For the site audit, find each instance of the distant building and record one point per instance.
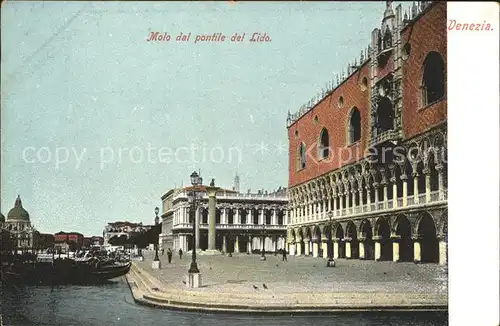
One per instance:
(23, 234)
(240, 220)
(123, 228)
(70, 237)
(89, 242)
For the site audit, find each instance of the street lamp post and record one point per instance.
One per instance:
(194, 277)
(330, 262)
(263, 251)
(156, 260)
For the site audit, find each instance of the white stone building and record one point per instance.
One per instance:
(242, 220)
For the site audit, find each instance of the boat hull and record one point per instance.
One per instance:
(66, 272)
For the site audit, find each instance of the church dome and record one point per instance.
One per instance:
(18, 213)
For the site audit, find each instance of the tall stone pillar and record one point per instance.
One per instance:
(315, 248)
(324, 246)
(237, 216)
(395, 248)
(394, 193)
(348, 251)
(237, 244)
(368, 198)
(386, 199)
(415, 187)
(405, 190)
(249, 244)
(375, 188)
(307, 247)
(211, 217)
(197, 226)
(439, 168)
(362, 249)
(336, 249)
(427, 173)
(334, 199)
(417, 251)
(378, 251)
(298, 249)
(443, 252)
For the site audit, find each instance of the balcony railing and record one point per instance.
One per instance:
(385, 136)
(228, 195)
(219, 226)
(434, 198)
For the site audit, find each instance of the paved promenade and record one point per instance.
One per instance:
(301, 284)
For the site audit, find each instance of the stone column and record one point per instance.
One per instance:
(378, 251)
(427, 173)
(348, 251)
(291, 249)
(395, 247)
(334, 199)
(237, 245)
(368, 198)
(375, 188)
(405, 190)
(353, 196)
(417, 251)
(197, 226)
(362, 248)
(443, 252)
(224, 245)
(237, 216)
(324, 246)
(336, 248)
(394, 193)
(211, 217)
(261, 216)
(250, 216)
(386, 199)
(315, 248)
(329, 202)
(298, 246)
(439, 168)
(275, 239)
(273, 217)
(249, 245)
(360, 191)
(415, 187)
(307, 247)
(223, 218)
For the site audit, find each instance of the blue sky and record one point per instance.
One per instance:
(81, 81)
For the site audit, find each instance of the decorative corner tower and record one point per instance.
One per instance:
(386, 77)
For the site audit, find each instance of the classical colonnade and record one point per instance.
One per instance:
(417, 178)
(418, 236)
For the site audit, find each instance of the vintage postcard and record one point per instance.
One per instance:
(243, 163)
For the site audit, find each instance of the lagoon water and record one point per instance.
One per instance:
(112, 304)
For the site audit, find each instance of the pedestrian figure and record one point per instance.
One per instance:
(169, 255)
(162, 251)
(284, 255)
(180, 253)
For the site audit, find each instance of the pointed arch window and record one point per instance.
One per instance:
(354, 126)
(385, 115)
(301, 159)
(433, 79)
(324, 144)
(387, 38)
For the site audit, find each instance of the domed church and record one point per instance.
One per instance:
(18, 224)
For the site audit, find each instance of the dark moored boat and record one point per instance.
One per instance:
(63, 271)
